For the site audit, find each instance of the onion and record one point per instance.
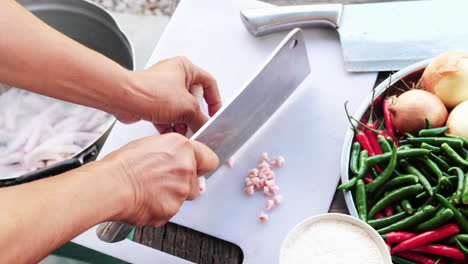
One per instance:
(458, 120)
(412, 107)
(447, 77)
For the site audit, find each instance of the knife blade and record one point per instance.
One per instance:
(376, 36)
(261, 96)
(240, 118)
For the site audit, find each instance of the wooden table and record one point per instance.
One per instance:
(201, 248)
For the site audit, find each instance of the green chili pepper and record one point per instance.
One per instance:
(361, 173)
(434, 149)
(446, 184)
(397, 172)
(399, 209)
(400, 260)
(385, 175)
(406, 179)
(422, 179)
(442, 217)
(428, 123)
(432, 165)
(428, 174)
(432, 132)
(404, 142)
(460, 237)
(407, 206)
(442, 163)
(384, 145)
(465, 190)
(454, 142)
(362, 158)
(464, 211)
(405, 153)
(353, 163)
(462, 247)
(381, 222)
(464, 153)
(454, 155)
(465, 140)
(374, 172)
(393, 197)
(361, 199)
(436, 189)
(461, 178)
(458, 217)
(406, 146)
(408, 135)
(424, 194)
(410, 221)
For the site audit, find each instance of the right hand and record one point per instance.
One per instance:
(159, 173)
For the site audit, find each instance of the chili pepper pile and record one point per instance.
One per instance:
(413, 189)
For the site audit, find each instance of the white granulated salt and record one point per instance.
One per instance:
(331, 242)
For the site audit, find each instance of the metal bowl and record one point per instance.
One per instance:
(402, 78)
(92, 26)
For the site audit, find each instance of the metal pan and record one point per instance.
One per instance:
(93, 27)
(409, 74)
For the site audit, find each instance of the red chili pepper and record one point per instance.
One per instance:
(426, 237)
(373, 138)
(378, 100)
(360, 136)
(363, 139)
(368, 179)
(440, 250)
(388, 117)
(389, 210)
(419, 258)
(397, 237)
(379, 215)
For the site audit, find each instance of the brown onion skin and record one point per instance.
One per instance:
(411, 109)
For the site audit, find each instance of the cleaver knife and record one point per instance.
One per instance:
(240, 118)
(375, 36)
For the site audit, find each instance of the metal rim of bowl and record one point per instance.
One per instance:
(118, 29)
(394, 78)
(348, 219)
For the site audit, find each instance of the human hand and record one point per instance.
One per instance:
(164, 95)
(158, 174)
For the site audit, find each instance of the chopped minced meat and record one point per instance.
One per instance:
(202, 183)
(263, 217)
(230, 162)
(263, 178)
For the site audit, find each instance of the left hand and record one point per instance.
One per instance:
(163, 95)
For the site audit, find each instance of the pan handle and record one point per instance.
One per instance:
(54, 169)
(263, 21)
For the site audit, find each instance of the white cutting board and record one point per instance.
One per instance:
(308, 130)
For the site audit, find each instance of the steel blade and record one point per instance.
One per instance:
(390, 36)
(240, 118)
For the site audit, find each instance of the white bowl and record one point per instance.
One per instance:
(299, 228)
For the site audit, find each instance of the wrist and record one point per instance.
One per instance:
(132, 100)
(113, 191)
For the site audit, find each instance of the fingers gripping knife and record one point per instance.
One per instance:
(240, 118)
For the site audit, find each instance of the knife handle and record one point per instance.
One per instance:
(113, 231)
(263, 21)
